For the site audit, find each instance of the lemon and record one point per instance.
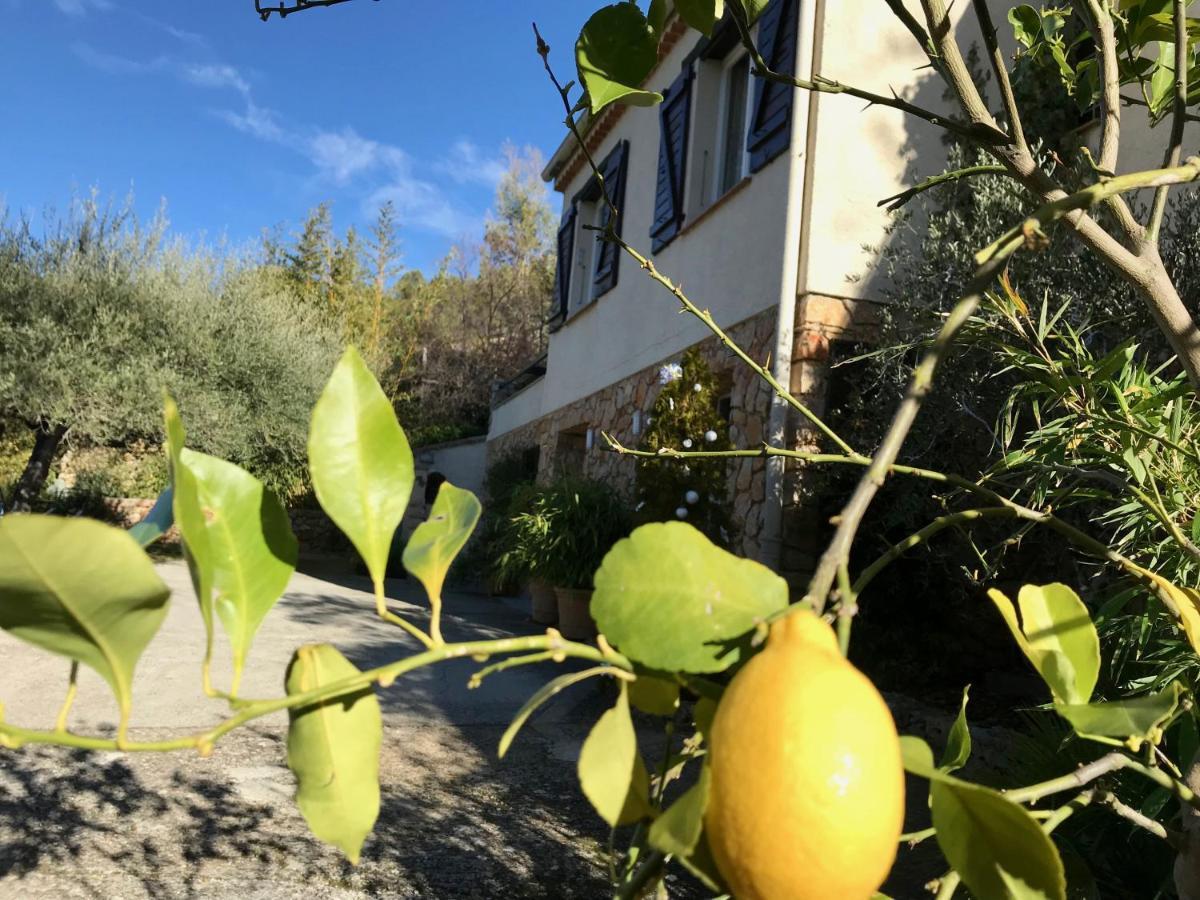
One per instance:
(807, 790)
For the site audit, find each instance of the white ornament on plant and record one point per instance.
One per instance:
(681, 513)
(692, 497)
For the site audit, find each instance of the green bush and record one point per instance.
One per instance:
(561, 533)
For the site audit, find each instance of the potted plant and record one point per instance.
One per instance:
(580, 520)
(522, 542)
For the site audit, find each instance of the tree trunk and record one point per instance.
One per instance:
(45, 448)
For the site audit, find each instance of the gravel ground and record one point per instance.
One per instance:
(456, 821)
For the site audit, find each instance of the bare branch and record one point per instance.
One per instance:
(954, 66)
(1178, 119)
(283, 10)
(896, 201)
(1001, 72)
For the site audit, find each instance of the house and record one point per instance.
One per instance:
(759, 200)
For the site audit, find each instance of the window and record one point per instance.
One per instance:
(735, 115)
(583, 275)
(718, 124)
(587, 267)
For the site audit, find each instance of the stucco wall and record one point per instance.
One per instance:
(462, 463)
(731, 262)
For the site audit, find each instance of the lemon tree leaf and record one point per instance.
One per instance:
(333, 750)
(1056, 634)
(672, 600)
(611, 771)
(702, 15)
(656, 17)
(83, 590)
(677, 831)
(917, 757)
(543, 695)
(1184, 603)
(155, 523)
(753, 8)
(436, 542)
(655, 696)
(1140, 718)
(615, 52)
(997, 848)
(360, 461)
(958, 742)
(189, 517)
(250, 550)
(701, 864)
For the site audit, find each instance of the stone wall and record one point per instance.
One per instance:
(560, 434)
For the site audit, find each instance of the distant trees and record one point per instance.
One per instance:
(98, 316)
(437, 345)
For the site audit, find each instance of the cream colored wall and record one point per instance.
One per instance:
(862, 155)
(522, 407)
(731, 263)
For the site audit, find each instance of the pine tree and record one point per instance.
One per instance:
(686, 417)
(384, 261)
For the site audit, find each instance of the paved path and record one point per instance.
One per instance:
(456, 822)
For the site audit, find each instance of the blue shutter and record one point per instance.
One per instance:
(609, 254)
(566, 257)
(771, 124)
(672, 161)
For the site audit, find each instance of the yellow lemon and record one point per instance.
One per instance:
(807, 791)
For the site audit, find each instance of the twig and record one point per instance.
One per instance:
(1011, 112)
(1178, 119)
(896, 201)
(69, 700)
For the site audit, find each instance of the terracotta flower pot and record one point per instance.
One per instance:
(574, 614)
(544, 602)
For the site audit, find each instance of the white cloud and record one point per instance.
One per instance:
(466, 164)
(344, 154)
(375, 171)
(215, 76)
(82, 7)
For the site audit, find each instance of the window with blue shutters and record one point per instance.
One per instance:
(674, 118)
(587, 265)
(771, 121)
(608, 254)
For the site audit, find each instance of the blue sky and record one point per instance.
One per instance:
(241, 125)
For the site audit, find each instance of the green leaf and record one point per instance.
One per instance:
(189, 517)
(436, 542)
(1139, 718)
(677, 831)
(674, 601)
(611, 771)
(997, 848)
(655, 696)
(83, 590)
(1056, 634)
(753, 8)
(917, 757)
(958, 742)
(616, 51)
(249, 551)
(543, 694)
(360, 461)
(703, 714)
(656, 18)
(1026, 23)
(702, 15)
(155, 523)
(333, 749)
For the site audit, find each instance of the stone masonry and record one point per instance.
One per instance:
(559, 434)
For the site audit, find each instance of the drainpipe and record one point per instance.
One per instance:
(804, 107)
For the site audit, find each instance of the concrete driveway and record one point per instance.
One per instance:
(456, 822)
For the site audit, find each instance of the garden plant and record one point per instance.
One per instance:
(785, 777)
